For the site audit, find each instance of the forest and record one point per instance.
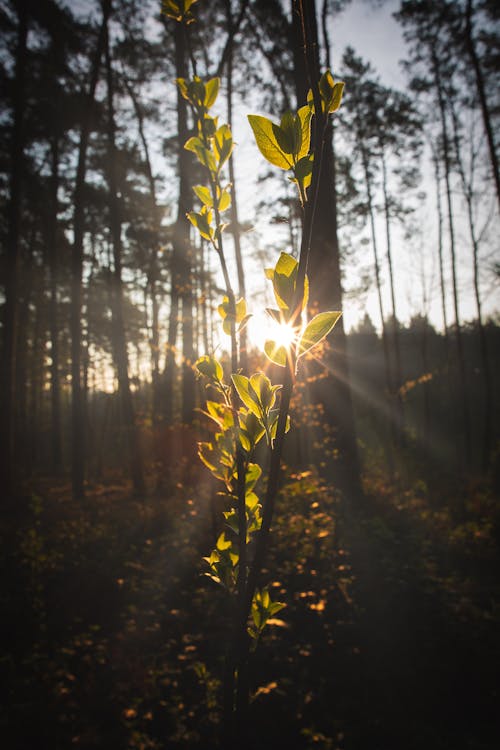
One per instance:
(249, 333)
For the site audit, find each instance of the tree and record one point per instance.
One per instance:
(324, 271)
(119, 338)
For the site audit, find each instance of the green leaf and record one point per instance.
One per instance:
(267, 143)
(203, 154)
(275, 353)
(304, 169)
(210, 367)
(223, 543)
(249, 398)
(224, 200)
(220, 413)
(211, 91)
(223, 144)
(289, 134)
(331, 92)
(241, 310)
(252, 476)
(305, 115)
(264, 391)
(204, 195)
(338, 91)
(285, 275)
(201, 221)
(316, 330)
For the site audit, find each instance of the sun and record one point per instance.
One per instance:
(264, 328)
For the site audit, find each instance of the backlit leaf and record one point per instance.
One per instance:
(316, 330)
(267, 143)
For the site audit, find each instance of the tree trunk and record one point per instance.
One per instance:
(119, 337)
(333, 391)
(469, 38)
(378, 283)
(483, 347)
(12, 260)
(55, 390)
(182, 241)
(439, 208)
(153, 263)
(398, 381)
(78, 418)
(458, 332)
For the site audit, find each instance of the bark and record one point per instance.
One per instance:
(77, 409)
(485, 112)
(12, 260)
(119, 337)
(334, 392)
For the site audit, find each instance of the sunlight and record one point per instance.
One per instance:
(264, 328)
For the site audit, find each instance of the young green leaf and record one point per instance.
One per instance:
(275, 353)
(211, 91)
(305, 114)
(204, 195)
(210, 367)
(249, 397)
(316, 330)
(266, 140)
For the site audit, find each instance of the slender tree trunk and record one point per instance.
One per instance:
(397, 351)
(55, 389)
(78, 418)
(478, 73)
(439, 208)
(378, 283)
(334, 391)
(12, 261)
(182, 231)
(458, 332)
(153, 264)
(119, 337)
(483, 346)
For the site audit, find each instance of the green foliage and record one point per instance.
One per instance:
(316, 330)
(284, 279)
(178, 10)
(247, 407)
(263, 609)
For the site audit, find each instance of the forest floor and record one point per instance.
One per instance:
(113, 639)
